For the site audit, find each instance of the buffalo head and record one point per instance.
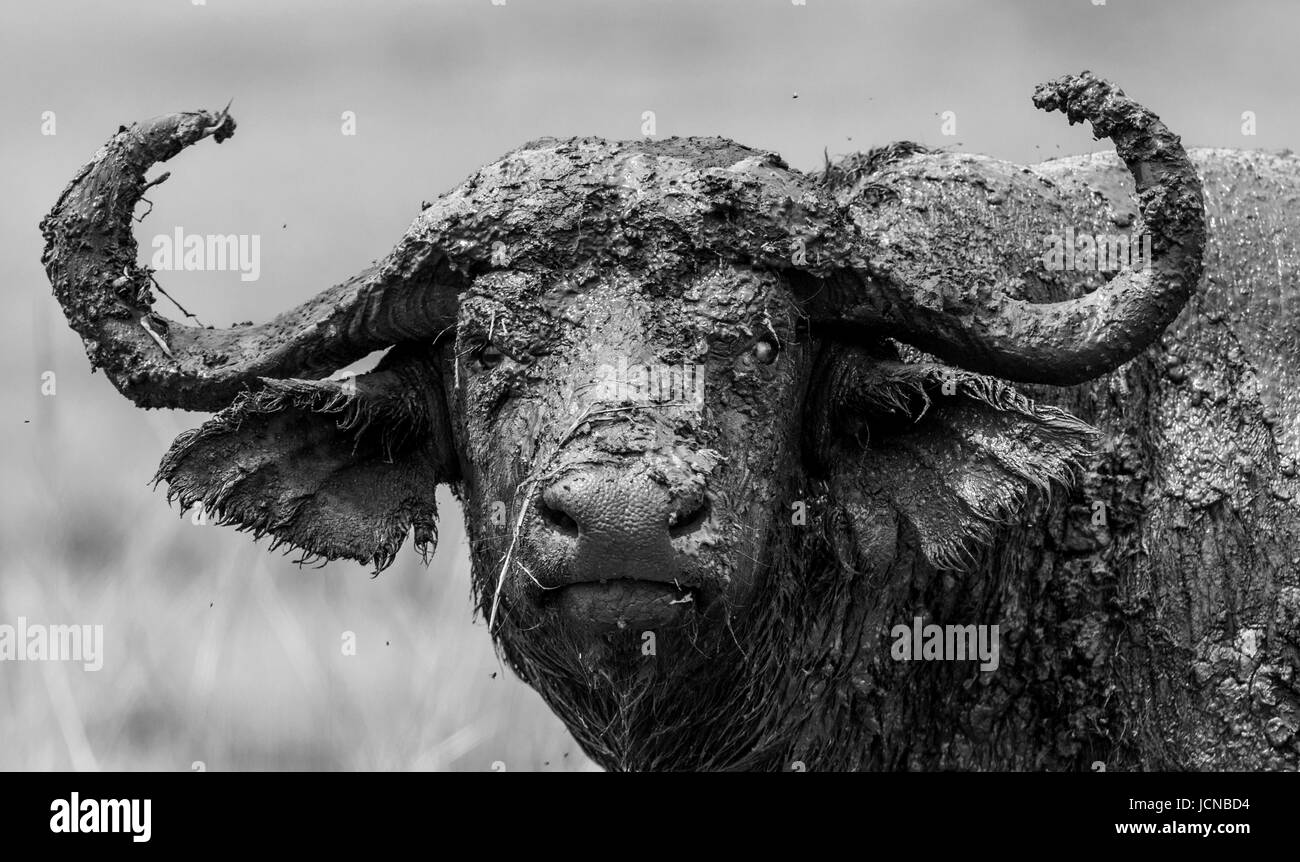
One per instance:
(691, 399)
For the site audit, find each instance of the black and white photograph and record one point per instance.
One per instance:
(823, 386)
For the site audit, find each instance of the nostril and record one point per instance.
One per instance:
(687, 520)
(557, 518)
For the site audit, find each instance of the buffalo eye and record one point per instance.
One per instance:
(488, 356)
(765, 352)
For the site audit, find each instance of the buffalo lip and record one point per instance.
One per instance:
(611, 604)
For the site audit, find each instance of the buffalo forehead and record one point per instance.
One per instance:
(727, 302)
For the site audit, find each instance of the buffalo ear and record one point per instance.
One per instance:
(947, 451)
(336, 468)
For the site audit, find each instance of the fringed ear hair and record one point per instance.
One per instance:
(951, 452)
(335, 468)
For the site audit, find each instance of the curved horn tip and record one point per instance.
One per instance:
(1087, 97)
(190, 127)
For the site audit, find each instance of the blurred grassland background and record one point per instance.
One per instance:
(216, 651)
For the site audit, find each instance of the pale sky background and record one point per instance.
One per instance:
(438, 89)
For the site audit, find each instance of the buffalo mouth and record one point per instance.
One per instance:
(619, 604)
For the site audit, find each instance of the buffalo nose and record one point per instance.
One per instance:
(618, 525)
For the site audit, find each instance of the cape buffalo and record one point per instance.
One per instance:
(736, 442)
